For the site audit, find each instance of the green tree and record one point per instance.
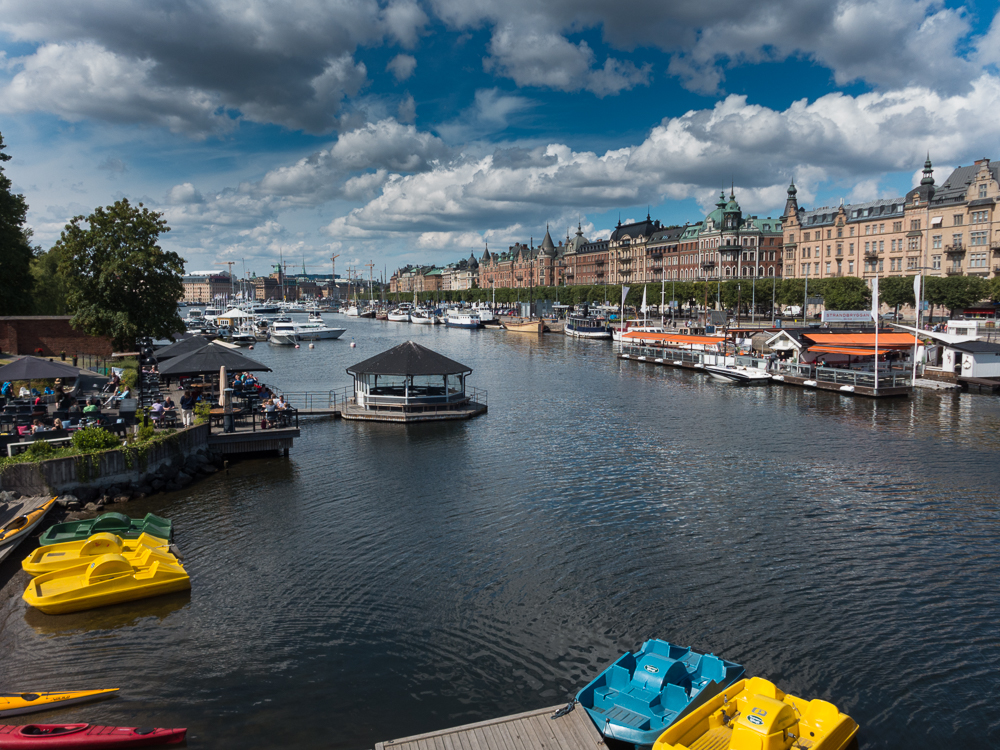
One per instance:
(846, 293)
(49, 284)
(895, 291)
(995, 289)
(16, 280)
(957, 292)
(120, 282)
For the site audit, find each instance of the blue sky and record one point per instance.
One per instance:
(406, 131)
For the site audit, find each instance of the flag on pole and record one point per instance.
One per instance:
(916, 289)
(625, 291)
(643, 308)
(875, 307)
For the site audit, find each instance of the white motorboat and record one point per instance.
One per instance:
(422, 318)
(737, 374)
(283, 334)
(463, 319)
(312, 331)
(353, 311)
(398, 316)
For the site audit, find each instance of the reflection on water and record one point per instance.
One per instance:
(388, 580)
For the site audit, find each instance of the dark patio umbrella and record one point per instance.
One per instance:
(34, 368)
(209, 359)
(180, 348)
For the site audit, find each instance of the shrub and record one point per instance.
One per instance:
(145, 432)
(94, 438)
(202, 411)
(41, 449)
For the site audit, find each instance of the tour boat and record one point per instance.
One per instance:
(114, 523)
(108, 579)
(587, 327)
(18, 704)
(462, 319)
(67, 554)
(85, 736)
(737, 374)
(317, 331)
(636, 326)
(754, 713)
(19, 520)
(643, 693)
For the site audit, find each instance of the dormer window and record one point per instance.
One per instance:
(982, 190)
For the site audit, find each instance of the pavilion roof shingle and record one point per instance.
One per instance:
(408, 358)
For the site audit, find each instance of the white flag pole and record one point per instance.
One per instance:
(875, 307)
(644, 308)
(916, 295)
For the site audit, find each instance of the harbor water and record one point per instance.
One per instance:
(386, 580)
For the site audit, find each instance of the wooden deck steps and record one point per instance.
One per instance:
(532, 730)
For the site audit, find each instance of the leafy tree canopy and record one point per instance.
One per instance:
(896, 290)
(15, 248)
(120, 282)
(846, 293)
(956, 292)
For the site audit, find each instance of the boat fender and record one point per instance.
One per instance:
(564, 710)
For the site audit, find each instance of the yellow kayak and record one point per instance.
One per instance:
(15, 704)
(16, 529)
(755, 715)
(108, 579)
(67, 554)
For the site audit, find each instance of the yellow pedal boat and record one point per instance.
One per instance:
(755, 715)
(16, 704)
(67, 554)
(108, 579)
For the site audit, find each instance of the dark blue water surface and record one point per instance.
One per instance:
(386, 580)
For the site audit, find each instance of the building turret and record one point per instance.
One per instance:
(791, 203)
(548, 248)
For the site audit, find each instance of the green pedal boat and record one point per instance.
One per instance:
(114, 523)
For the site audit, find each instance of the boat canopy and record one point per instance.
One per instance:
(673, 338)
(854, 352)
(888, 340)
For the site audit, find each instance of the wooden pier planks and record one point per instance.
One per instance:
(532, 730)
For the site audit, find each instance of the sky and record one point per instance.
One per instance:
(414, 131)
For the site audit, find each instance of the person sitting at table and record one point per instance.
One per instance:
(73, 412)
(37, 427)
(93, 407)
(57, 424)
(168, 403)
(156, 412)
(280, 404)
(38, 401)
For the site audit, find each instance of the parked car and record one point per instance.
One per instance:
(891, 316)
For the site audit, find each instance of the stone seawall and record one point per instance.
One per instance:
(170, 464)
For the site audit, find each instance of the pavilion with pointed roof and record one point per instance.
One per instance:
(411, 383)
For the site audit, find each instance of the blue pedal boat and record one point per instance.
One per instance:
(641, 694)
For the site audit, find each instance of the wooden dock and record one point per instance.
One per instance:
(244, 440)
(532, 730)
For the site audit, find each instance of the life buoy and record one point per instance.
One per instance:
(967, 365)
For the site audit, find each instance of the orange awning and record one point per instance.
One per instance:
(888, 340)
(672, 338)
(847, 350)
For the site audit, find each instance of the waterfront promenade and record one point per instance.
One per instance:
(385, 582)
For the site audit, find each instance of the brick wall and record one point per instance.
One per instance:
(52, 334)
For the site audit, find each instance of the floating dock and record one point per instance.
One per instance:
(532, 730)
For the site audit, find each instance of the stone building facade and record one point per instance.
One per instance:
(939, 231)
